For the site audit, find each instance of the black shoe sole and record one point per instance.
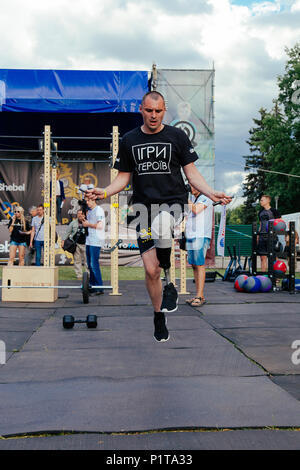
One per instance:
(164, 310)
(163, 340)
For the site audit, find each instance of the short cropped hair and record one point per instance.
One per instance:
(267, 196)
(155, 95)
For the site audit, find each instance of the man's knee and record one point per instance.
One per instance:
(152, 271)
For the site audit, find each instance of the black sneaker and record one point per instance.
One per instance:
(170, 299)
(161, 333)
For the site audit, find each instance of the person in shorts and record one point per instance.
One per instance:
(198, 232)
(154, 156)
(265, 214)
(19, 229)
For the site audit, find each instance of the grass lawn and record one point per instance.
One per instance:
(125, 273)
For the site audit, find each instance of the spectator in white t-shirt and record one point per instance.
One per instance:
(198, 232)
(37, 234)
(94, 241)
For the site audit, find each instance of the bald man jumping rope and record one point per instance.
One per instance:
(154, 155)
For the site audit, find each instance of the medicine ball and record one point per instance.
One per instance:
(279, 268)
(265, 283)
(279, 226)
(239, 282)
(252, 284)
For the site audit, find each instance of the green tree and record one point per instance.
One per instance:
(235, 216)
(289, 85)
(275, 145)
(279, 146)
(285, 156)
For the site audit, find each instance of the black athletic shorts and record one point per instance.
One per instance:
(262, 246)
(144, 231)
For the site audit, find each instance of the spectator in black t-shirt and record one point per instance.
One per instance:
(154, 155)
(77, 232)
(265, 214)
(19, 229)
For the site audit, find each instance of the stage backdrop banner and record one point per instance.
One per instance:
(72, 91)
(189, 101)
(21, 184)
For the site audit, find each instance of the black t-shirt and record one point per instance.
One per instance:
(155, 160)
(15, 235)
(265, 215)
(81, 234)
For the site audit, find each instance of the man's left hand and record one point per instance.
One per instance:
(220, 196)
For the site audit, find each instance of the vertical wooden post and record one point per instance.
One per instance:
(172, 268)
(114, 218)
(53, 217)
(47, 152)
(183, 266)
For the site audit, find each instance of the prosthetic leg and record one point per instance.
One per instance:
(164, 256)
(162, 233)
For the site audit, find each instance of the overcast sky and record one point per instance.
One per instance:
(244, 39)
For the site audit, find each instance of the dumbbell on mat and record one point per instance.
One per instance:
(69, 321)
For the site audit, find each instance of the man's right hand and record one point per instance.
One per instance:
(95, 193)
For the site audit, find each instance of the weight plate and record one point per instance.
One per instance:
(91, 321)
(68, 321)
(85, 288)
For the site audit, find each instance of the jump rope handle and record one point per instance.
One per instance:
(219, 202)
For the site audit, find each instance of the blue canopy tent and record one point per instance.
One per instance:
(73, 102)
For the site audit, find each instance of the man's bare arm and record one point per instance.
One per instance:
(119, 183)
(196, 179)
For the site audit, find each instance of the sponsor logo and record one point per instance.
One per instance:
(145, 235)
(4, 247)
(187, 127)
(12, 187)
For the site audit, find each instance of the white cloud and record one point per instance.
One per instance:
(263, 8)
(296, 6)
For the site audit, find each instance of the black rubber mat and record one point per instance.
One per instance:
(145, 404)
(25, 312)
(192, 329)
(256, 308)
(290, 383)
(191, 440)
(122, 310)
(14, 340)
(261, 336)
(275, 359)
(118, 378)
(121, 363)
(290, 320)
(19, 324)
